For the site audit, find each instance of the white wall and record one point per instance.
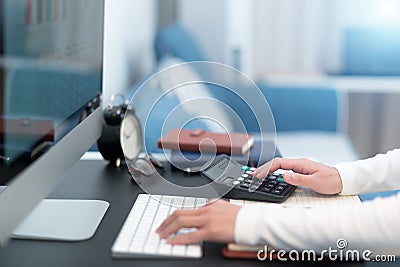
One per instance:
(205, 20)
(287, 36)
(281, 36)
(128, 49)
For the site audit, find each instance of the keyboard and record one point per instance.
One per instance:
(137, 237)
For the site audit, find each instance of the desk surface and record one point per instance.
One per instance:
(97, 180)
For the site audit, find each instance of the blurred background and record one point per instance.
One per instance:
(352, 46)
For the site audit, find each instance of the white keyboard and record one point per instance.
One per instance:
(137, 237)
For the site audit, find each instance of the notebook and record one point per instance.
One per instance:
(207, 142)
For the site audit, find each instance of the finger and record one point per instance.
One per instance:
(267, 168)
(175, 215)
(181, 222)
(302, 166)
(299, 179)
(192, 237)
(262, 169)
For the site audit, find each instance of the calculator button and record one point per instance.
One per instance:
(245, 185)
(236, 182)
(252, 169)
(245, 175)
(276, 192)
(270, 186)
(271, 177)
(249, 172)
(266, 189)
(283, 184)
(248, 181)
(280, 179)
(245, 168)
(279, 187)
(257, 182)
(273, 182)
(240, 179)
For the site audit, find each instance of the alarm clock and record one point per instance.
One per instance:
(122, 133)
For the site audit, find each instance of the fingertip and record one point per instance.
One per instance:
(172, 241)
(288, 176)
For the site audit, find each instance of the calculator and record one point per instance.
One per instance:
(238, 182)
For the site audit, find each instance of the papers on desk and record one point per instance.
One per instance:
(307, 198)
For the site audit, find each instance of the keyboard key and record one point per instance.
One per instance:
(193, 250)
(164, 248)
(179, 250)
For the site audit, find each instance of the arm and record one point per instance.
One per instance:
(372, 225)
(379, 173)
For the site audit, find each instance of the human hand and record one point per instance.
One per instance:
(317, 176)
(214, 222)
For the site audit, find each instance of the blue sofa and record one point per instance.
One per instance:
(293, 108)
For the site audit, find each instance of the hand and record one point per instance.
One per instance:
(214, 222)
(317, 176)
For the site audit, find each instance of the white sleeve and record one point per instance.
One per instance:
(379, 173)
(372, 225)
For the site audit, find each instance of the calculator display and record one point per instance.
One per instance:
(218, 169)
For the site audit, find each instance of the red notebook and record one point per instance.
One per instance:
(207, 142)
(237, 251)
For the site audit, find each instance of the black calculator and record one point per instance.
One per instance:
(238, 183)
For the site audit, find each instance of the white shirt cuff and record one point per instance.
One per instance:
(348, 174)
(247, 225)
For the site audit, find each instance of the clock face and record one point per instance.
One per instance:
(131, 136)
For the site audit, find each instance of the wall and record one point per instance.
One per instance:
(373, 122)
(205, 20)
(222, 28)
(128, 48)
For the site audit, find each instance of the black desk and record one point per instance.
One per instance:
(96, 180)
